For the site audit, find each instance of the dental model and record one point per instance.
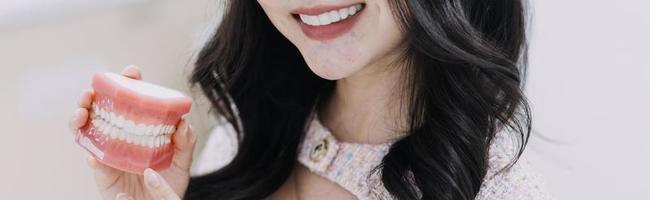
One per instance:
(131, 123)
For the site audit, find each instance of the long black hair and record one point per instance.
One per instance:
(465, 67)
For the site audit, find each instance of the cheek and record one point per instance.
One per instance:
(390, 36)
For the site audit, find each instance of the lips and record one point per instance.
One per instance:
(131, 123)
(328, 22)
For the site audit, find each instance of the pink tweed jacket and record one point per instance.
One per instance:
(349, 164)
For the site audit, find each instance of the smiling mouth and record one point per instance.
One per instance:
(328, 22)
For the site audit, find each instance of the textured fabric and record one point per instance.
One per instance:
(350, 164)
(340, 158)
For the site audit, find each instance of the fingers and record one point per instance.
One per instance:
(105, 176)
(157, 187)
(86, 98)
(132, 71)
(184, 141)
(80, 116)
(78, 119)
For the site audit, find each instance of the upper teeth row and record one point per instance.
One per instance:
(129, 125)
(331, 16)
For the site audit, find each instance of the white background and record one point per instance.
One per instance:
(590, 89)
(589, 85)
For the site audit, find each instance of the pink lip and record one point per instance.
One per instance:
(326, 32)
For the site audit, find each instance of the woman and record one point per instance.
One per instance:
(354, 99)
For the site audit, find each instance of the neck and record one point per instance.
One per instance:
(367, 107)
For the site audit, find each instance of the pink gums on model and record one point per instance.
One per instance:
(131, 123)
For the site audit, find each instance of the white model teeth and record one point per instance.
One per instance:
(330, 17)
(118, 127)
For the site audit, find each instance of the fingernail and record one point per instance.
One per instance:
(152, 178)
(122, 196)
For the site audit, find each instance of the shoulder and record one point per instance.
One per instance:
(520, 181)
(218, 150)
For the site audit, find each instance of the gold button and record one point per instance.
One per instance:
(319, 151)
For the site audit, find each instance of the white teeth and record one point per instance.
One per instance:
(150, 143)
(100, 112)
(105, 115)
(334, 16)
(120, 121)
(96, 123)
(132, 138)
(159, 140)
(324, 19)
(352, 10)
(158, 130)
(130, 126)
(344, 13)
(146, 130)
(95, 115)
(108, 130)
(154, 142)
(129, 138)
(150, 130)
(101, 127)
(119, 127)
(140, 128)
(311, 20)
(109, 117)
(330, 16)
(120, 134)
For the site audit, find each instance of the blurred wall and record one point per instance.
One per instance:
(589, 86)
(48, 59)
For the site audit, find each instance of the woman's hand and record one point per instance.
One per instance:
(170, 183)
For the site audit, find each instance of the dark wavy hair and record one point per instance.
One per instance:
(465, 67)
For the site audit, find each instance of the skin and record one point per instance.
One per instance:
(363, 109)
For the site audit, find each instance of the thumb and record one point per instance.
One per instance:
(184, 141)
(157, 187)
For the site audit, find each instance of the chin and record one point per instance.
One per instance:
(329, 70)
